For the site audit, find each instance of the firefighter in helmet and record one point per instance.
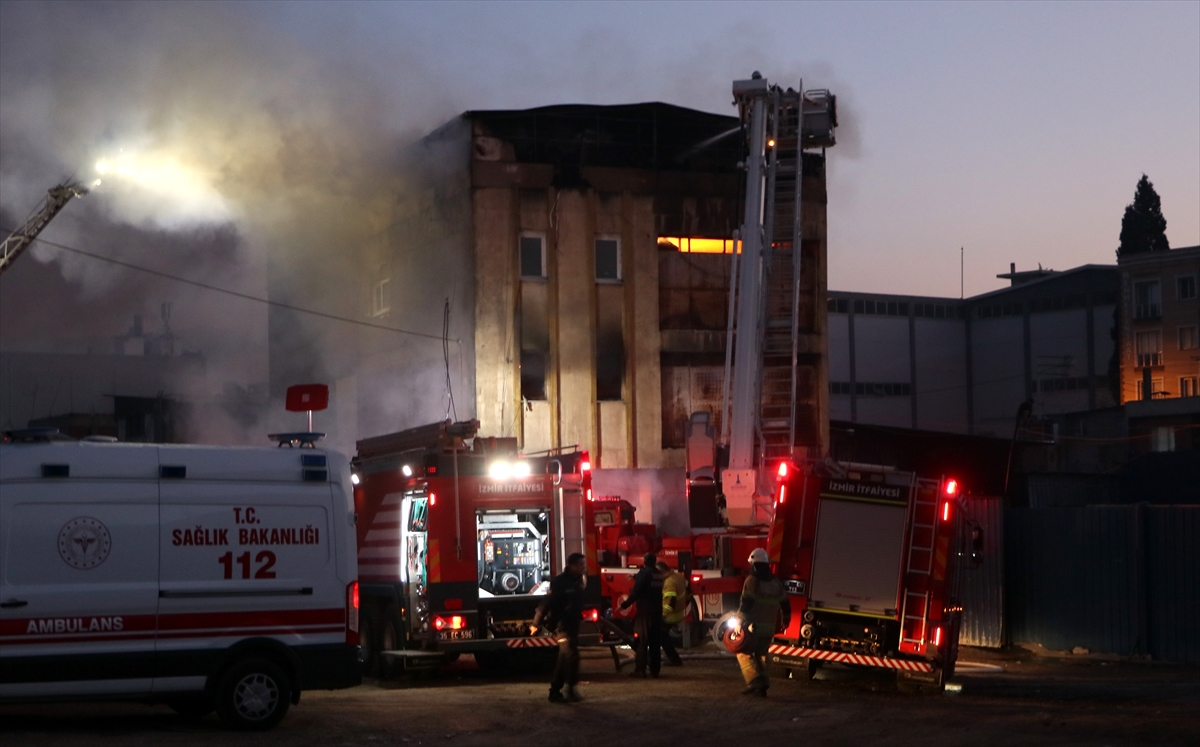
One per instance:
(763, 600)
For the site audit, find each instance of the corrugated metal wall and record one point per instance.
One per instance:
(1112, 579)
(1173, 588)
(981, 584)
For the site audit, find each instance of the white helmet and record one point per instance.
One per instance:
(758, 555)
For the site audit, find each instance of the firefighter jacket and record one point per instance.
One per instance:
(647, 593)
(675, 597)
(762, 599)
(564, 608)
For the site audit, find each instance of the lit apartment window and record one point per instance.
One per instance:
(1185, 287)
(1187, 386)
(533, 256)
(1187, 338)
(379, 297)
(1147, 301)
(1149, 348)
(608, 259)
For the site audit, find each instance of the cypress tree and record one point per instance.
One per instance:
(1143, 228)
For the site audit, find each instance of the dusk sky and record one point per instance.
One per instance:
(1015, 130)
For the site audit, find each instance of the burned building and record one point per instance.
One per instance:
(581, 256)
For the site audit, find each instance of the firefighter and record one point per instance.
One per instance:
(562, 614)
(675, 607)
(647, 593)
(762, 600)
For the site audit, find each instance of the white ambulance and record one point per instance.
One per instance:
(202, 577)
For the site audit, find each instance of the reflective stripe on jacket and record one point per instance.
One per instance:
(675, 597)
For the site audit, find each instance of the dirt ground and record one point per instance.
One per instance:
(1005, 699)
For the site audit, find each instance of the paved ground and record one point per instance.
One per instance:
(1010, 700)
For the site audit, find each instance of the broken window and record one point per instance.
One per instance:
(535, 340)
(610, 342)
(608, 259)
(533, 256)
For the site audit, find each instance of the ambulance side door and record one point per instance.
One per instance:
(79, 581)
(243, 560)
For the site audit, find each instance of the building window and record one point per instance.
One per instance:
(1187, 386)
(533, 256)
(1162, 438)
(881, 389)
(379, 297)
(1157, 389)
(1187, 338)
(1149, 348)
(608, 259)
(1185, 287)
(1147, 301)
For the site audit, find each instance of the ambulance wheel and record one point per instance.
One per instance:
(253, 695)
(197, 707)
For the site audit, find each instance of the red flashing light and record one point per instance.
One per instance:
(946, 511)
(696, 577)
(590, 498)
(585, 466)
(783, 469)
(782, 493)
(937, 636)
(433, 499)
(951, 488)
(592, 615)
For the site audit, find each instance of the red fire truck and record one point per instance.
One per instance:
(869, 557)
(458, 538)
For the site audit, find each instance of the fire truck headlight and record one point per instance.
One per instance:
(500, 470)
(406, 470)
(521, 470)
(354, 478)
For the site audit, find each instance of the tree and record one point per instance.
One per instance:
(1143, 229)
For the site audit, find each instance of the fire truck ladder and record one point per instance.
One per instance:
(781, 281)
(914, 614)
(19, 240)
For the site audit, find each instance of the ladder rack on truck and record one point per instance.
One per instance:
(869, 558)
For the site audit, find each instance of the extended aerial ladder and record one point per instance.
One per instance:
(19, 240)
(775, 347)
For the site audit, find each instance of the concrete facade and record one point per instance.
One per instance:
(966, 365)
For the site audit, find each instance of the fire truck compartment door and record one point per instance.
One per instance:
(856, 563)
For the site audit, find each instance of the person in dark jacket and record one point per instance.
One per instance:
(647, 622)
(562, 613)
(763, 603)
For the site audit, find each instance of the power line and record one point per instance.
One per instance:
(238, 294)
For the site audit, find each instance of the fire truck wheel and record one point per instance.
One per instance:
(197, 707)
(368, 643)
(389, 640)
(253, 695)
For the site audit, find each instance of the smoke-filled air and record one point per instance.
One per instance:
(213, 149)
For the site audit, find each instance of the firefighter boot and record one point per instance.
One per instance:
(556, 696)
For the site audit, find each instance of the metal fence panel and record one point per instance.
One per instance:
(1111, 579)
(1073, 578)
(1173, 582)
(981, 584)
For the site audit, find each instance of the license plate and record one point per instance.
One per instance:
(794, 586)
(457, 635)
